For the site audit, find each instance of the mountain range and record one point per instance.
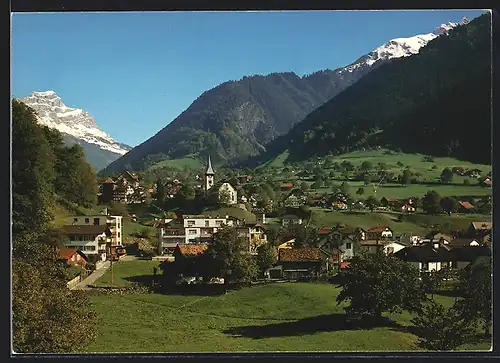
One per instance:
(77, 127)
(436, 102)
(238, 119)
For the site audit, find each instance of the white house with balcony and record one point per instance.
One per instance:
(200, 228)
(94, 234)
(255, 234)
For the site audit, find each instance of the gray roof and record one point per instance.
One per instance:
(210, 170)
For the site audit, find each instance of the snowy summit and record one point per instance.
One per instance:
(52, 112)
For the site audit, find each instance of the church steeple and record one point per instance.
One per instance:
(209, 175)
(210, 171)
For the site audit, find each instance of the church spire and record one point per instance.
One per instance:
(210, 171)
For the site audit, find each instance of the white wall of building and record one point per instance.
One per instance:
(114, 222)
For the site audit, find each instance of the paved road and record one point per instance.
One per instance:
(92, 277)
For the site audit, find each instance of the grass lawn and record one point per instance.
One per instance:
(127, 272)
(365, 220)
(130, 227)
(278, 317)
(190, 162)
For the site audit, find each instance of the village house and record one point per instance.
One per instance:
(290, 219)
(337, 244)
(95, 234)
(407, 208)
(380, 232)
(124, 189)
(228, 189)
(436, 256)
(390, 202)
(465, 207)
(474, 173)
(186, 257)
(487, 182)
(72, 256)
(169, 233)
(255, 234)
(294, 263)
(339, 205)
(296, 198)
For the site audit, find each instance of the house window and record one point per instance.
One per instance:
(75, 220)
(348, 245)
(190, 223)
(118, 224)
(87, 220)
(118, 234)
(218, 223)
(96, 221)
(192, 231)
(207, 223)
(425, 266)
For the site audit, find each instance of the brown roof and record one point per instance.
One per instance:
(379, 229)
(462, 242)
(83, 230)
(324, 230)
(286, 185)
(133, 176)
(66, 253)
(192, 249)
(373, 242)
(299, 254)
(466, 205)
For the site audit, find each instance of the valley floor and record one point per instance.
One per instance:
(281, 317)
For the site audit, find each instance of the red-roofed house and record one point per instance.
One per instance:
(286, 186)
(465, 207)
(72, 256)
(379, 232)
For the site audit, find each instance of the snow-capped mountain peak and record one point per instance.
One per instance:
(403, 47)
(52, 112)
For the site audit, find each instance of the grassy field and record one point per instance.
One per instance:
(412, 190)
(188, 161)
(268, 318)
(127, 272)
(130, 227)
(412, 223)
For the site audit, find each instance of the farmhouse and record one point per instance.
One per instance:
(186, 257)
(255, 234)
(72, 256)
(408, 208)
(465, 207)
(435, 256)
(290, 219)
(378, 233)
(298, 262)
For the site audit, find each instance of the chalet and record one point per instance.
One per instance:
(290, 219)
(129, 178)
(435, 256)
(254, 234)
(407, 208)
(72, 256)
(465, 207)
(339, 245)
(379, 233)
(229, 190)
(186, 256)
(339, 205)
(299, 262)
(474, 173)
(296, 198)
(172, 188)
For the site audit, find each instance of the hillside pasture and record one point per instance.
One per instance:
(190, 162)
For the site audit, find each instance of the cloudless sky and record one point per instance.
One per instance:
(136, 72)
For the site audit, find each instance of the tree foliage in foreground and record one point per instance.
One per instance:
(376, 283)
(442, 328)
(46, 316)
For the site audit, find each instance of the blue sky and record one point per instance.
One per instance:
(136, 72)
